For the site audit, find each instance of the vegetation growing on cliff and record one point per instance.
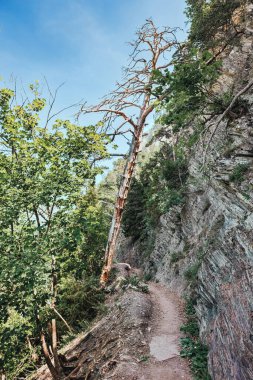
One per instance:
(189, 93)
(192, 347)
(211, 20)
(158, 187)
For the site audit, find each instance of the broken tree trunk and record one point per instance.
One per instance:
(120, 203)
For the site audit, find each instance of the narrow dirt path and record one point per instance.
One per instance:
(137, 340)
(165, 362)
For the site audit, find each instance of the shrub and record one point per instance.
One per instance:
(159, 187)
(191, 273)
(192, 348)
(214, 13)
(191, 328)
(80, 301)
(134, 282)
(176, 256)
(134, 212)
(147, 277)
(237, 175)
(196, 352)
(220, 104)
(14, 351)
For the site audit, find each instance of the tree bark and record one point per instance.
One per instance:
(123, 193)
(52, 369)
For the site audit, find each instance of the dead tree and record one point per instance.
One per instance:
(126, 109)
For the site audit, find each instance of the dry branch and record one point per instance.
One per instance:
(57, 363)
(51, 367)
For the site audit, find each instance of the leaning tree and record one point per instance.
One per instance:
(126, 109)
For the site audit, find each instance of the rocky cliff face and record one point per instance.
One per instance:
(207, 244)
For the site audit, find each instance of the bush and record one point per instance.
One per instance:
(134, 212)
(189, 88)
(196, 352)
(221, 103)
(159, 187)
(176, 256)
(191, 328)
(14, 351)
(192, 348)
(80, 301)
(134, 282)
(191, 273)
(238, 173)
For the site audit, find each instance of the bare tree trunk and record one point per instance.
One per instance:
(120, 203)
(57, 363)
(52, 369)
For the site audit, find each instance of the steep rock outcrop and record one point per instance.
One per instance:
(212, 233)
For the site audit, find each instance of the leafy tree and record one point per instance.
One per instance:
(51, 222)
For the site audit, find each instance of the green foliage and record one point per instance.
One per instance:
(49, 212)
(80, 300)
(192, 348)
(196, 352)
(190, 307)
(134, 212)
(147, 277)
(175, 257)
(210, 20)
(191, 273)
(191, 328)
(193, 138)
(159, 187)
(187, 86)
(144, 358)
(13, 333)
(221, 103)
(238, 173)
(134, 282)
(187, 90)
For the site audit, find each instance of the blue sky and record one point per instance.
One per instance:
(79, 42)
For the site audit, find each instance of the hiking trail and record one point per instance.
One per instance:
(165, 362)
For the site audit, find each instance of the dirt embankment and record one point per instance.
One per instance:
(137, 340)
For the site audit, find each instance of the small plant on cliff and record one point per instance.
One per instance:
(188, 86)
(191, 273)
(221, 103)
(238, 174)
(176, 256)
(197, 353)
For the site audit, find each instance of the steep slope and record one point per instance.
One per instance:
(205, 247)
